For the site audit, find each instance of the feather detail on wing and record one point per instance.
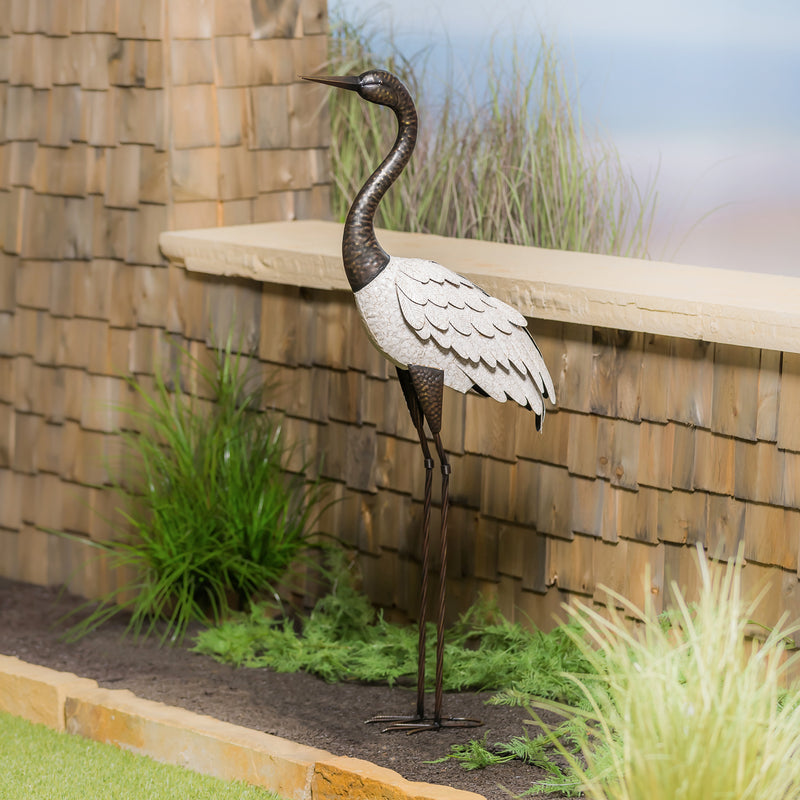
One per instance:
(491, 338)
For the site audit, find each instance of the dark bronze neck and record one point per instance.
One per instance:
(364, 258)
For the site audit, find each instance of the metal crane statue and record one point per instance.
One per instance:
(438, 329)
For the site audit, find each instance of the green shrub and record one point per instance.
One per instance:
(217, 519)
(515, 167)
(690, 709)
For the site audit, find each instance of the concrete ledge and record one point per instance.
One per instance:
(716, 305)
(173, 735)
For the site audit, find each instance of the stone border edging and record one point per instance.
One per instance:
(66, 702)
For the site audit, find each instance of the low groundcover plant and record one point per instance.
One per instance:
(344, 638)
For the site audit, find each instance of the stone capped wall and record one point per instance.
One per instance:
(660, 441)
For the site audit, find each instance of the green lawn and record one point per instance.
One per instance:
(37, 763)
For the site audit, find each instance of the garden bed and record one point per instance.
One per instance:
(293, 706)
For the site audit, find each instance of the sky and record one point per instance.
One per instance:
(702, 96)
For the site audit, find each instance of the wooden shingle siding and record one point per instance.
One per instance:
(121, 120)
(118, 123)
(604, 497)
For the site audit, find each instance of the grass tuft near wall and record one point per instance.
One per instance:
(217, 518)
(687, 707)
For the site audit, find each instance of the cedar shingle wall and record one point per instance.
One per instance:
(119, 120)
(657, 443)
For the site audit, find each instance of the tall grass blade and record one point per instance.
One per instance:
(688, 707)
(515, 166)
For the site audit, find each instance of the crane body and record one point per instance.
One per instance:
(418, 312)
(438, 329)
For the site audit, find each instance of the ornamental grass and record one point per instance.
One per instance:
(688, 705)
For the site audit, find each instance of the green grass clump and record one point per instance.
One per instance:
(689, 710)
(216, 518)
(344, 639)
(514, 167)
(41, 764)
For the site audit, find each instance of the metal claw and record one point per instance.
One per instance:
(416, 725)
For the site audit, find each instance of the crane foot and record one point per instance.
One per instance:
(414, 724)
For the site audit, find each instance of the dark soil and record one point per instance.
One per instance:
(299, 707)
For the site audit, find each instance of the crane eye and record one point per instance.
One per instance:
(377, 91)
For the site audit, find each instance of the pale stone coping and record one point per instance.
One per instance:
(728, 306)
(201, 743)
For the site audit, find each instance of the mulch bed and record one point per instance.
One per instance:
(298, 706)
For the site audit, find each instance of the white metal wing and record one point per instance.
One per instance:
(489, 338)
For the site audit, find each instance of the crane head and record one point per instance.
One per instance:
(374, 85)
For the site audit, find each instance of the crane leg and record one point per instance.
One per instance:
(445, 464)
(423, 388)
(418, 419)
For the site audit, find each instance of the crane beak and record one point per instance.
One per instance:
(350, 82)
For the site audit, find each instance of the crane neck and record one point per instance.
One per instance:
(364, 259)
